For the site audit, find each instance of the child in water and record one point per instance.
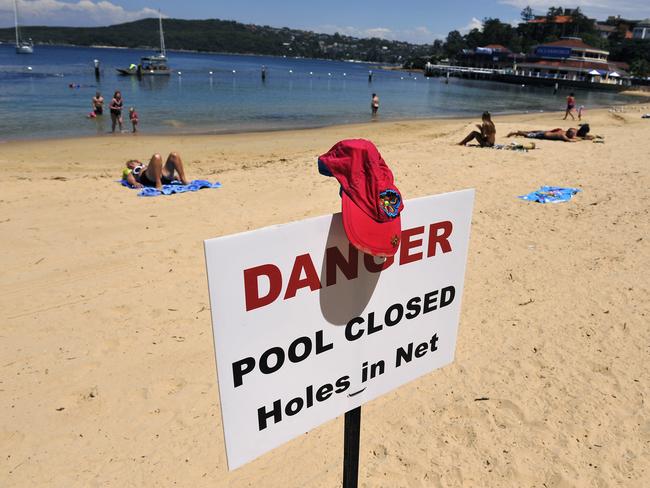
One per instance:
(133, 117)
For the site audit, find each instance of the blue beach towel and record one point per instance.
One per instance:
(550, 194)
(174, 187)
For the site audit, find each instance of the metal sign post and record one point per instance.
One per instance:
(351, 438)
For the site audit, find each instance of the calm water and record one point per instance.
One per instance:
(38, 103)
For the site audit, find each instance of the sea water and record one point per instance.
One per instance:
(48, 94)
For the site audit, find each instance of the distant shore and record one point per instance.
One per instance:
(379, 65)
(199, 132)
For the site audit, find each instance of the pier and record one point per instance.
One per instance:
(528, 77)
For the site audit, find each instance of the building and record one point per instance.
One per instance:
(605, 31)
(567, 62)
(624, 26)
(641, 30)
(558, 19)
(571, 59)
(492, 56)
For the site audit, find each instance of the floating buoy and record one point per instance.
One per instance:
(290, 71)
(210, 73)
(234, 71)
(179, 73)
(29, 68)
(345, 74)
(329, 74)
(311, 72)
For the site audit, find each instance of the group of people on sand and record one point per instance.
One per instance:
(156, 174)
(486, 134)
(115, 107)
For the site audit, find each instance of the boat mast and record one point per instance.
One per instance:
(16, 22)
(162, 37)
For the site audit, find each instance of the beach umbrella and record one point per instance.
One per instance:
(614, 74)
(593, 72)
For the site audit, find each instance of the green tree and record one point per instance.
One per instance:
(582, 25)
(497, 32)
(527, 14)
(553, 12)
(474, 38)
(640, 68)
(454, 44)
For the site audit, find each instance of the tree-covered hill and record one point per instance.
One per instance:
(225, 36)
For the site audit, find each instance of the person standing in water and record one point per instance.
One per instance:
(570, 106)
(133, 117)
(374, 104)
(98, 104)
(116, 110)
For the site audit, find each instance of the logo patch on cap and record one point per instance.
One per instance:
(390, 202)
(394, 241)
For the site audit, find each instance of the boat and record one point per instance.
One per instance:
(22, 47)
(154, 65)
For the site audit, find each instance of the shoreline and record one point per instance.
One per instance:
(200, 133)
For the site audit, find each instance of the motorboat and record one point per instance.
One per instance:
(154, 65)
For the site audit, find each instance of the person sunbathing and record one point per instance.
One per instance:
(550, 135)
(487, 134)
(570, 135)
(154, 174)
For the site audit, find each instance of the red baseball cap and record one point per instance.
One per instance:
(370, 201)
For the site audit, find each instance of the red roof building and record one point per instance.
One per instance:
(558, 19)
(570, 59)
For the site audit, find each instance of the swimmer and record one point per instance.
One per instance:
(98, 104)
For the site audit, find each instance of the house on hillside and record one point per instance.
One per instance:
(565, 23)
(625, 26)
(642, 30)
(492, 56)
(605, 31)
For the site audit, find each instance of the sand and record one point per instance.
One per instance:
(107, 372)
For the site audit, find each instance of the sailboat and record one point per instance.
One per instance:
(154, 65)
(22, 47)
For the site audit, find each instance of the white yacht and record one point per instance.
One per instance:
(22, 46)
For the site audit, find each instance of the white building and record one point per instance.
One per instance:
(642, 30)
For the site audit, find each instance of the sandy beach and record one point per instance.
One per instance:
(107, 371)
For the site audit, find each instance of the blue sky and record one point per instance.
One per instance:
(409, 20)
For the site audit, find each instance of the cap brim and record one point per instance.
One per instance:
(368, 235)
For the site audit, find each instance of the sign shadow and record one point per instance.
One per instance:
(348, 276)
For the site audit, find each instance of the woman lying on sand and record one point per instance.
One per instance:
(570, 135)
(154, 174)
(487, 135)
